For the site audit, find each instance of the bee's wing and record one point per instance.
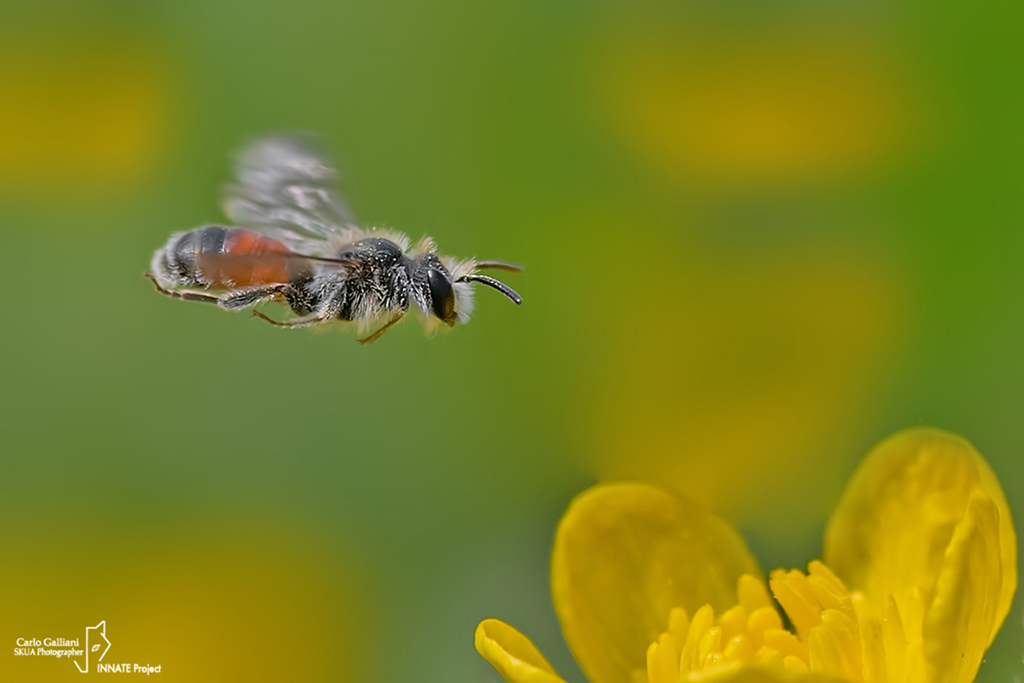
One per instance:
(287, 189)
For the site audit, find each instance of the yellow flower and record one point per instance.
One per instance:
(737, 110)
(86, 112)
(920, 570)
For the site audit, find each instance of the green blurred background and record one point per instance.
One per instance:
(759, 238)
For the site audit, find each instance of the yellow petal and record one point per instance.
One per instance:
(512, 654)
(964, 610)
(624, 556)
(757, 674)
(826, 652)
(890, 532)
(873, 645)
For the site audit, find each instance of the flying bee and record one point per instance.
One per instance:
(295, 242)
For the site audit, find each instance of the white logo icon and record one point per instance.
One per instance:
(95, 638)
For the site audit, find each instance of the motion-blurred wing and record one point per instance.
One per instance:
(285, 188)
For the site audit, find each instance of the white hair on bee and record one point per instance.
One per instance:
(425, 246)
(352, 234)
(366, 315)
(431, 324)
(360, 325)
(463, 290)
(160, 265)
(369, 321)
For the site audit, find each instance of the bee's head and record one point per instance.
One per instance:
(450, 293)
(436, 289)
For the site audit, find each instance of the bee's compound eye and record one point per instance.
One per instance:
(442, 296)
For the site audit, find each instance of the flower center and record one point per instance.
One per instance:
(836, 632)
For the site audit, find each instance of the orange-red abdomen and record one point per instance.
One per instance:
(243, 258)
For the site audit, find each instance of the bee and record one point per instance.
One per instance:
(296, 242)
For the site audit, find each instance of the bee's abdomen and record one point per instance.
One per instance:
(174, 264)
(223, 258)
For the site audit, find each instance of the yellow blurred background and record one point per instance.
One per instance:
(758, 239)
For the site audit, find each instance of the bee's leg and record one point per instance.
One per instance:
(184, 294)
(380, 332)
(249, 296)
(304, 321)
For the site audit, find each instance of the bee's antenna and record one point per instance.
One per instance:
(500, 265)
(496, 284)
